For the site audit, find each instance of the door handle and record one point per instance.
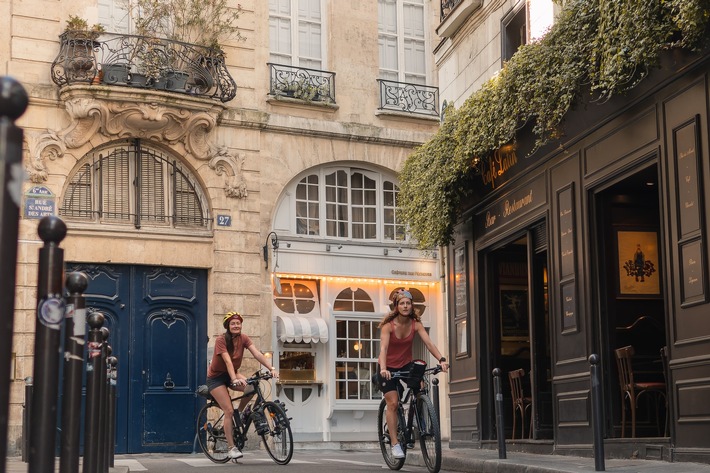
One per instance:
(169, 383)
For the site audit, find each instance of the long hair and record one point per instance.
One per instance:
(229, 342)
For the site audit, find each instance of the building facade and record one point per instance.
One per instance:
(590, 245)
(266, 183)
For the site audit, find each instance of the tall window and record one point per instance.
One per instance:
(133, 183)
(114, 17)
(296, 33)
(402, 41)
(348, 203)
(357, 345)
(527, 21)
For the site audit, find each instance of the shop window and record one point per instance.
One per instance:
(297, 366)
(134, 183)
(297, 298)
(357, 345)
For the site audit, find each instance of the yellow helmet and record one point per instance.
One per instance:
(229, 315)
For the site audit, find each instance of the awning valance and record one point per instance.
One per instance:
(293, 328)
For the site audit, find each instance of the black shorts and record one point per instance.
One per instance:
(387, 385)
(217, 381)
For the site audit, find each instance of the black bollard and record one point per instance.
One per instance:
(13, 103)
(435, 398)
(26, 416)
(597, 412)
(74, 333)
(50, 315)
(500, 421)
(103, 419)
(93, 394)
(113, 376)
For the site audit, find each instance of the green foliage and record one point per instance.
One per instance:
(609, 46)
(77, 24)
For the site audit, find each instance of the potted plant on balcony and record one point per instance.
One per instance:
(79, 41)
(197, 28)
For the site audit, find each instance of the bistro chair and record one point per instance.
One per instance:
(631, 390)
(521, 404)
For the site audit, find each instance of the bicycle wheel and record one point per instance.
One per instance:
(210, 433)
(429, 433)
(383, 436)
(274, 428)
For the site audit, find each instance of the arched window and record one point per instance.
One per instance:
(348, 203)
(134, 183)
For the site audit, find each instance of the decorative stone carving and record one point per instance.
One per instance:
(223, 163)
(117, 113)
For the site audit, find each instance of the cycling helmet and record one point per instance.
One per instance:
(229, 316)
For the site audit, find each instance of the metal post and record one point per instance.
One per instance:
(50, 314)
(74, 333)
(113, 376)
(597, 413)
(26, 416)
(435, 396)
(13, 103)
(93, 394)
(500, 420)
(103, 421)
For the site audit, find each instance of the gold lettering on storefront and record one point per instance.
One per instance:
(497, 165)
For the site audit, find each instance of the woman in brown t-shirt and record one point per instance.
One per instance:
(222, 372)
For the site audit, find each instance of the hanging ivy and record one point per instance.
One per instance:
(609, 46)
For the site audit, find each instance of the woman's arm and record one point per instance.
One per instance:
(384, 345)
(431, 347)
(261, 358)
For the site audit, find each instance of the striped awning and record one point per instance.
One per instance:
(293, 328)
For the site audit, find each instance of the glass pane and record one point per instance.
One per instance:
(365, 331)
(353, 331)
(364, 306)
(341, 329)
(305, 306)
(342, 306)
(340, 370)
(285, 305)
(342, 348)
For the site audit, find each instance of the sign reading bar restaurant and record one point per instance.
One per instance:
(39, 202)
(511, 206)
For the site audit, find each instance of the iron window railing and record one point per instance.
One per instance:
(409, 98)
(447, 6)
(310, 85)
(142, 62)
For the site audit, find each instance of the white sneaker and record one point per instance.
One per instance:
(397, 452)
(234, 453)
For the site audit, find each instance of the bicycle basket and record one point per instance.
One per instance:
(203, 390)
(416, 373)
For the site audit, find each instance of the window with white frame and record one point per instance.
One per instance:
(348, 203)
(114, 17)
(357, 345)
(296, 33)
(134, 183)
(297, 297)
(402, 41)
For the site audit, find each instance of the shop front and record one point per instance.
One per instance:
(595, 244)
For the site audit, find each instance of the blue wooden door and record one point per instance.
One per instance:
(157, 319)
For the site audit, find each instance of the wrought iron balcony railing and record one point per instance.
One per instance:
(409, 98)
(447, 6)
(310, 85)
(142, 62)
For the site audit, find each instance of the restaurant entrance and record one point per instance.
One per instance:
(632, 322)
(519, 332)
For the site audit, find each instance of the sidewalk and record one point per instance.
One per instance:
(16, 465)
(486, 461)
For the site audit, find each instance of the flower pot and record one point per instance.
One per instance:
(115, 74)
(172, 80)
(136, 79)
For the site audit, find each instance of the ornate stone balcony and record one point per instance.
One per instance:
(142, 62)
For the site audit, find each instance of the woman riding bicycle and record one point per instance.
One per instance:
(222, 372)
(397, 331)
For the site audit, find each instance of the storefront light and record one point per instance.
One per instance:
(398, 282)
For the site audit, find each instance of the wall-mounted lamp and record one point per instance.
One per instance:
(340, 247)
(327, 247)
(399, 250)
(386, 251)
(274, 246)
(269, 356)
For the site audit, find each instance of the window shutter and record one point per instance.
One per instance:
(77, 199)
(414, 44)
(113, 16)
(152, 188)
(115, 193)
(309, 34)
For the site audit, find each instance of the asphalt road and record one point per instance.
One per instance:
(304, 461)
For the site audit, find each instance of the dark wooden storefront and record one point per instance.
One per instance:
(587, 246)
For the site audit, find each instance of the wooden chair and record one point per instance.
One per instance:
(521, 404)
(632, 390)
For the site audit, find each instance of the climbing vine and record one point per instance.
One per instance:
(603, 46)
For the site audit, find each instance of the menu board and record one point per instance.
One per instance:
(685, 146)
(569, 307)
(692, 274)
(565, 206)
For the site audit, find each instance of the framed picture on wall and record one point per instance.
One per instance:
(637, 256)
(514, 313)
(462, 349)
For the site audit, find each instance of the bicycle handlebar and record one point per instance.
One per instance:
(406, 374)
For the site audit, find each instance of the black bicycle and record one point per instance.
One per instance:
(417, 419)
(269, 419)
